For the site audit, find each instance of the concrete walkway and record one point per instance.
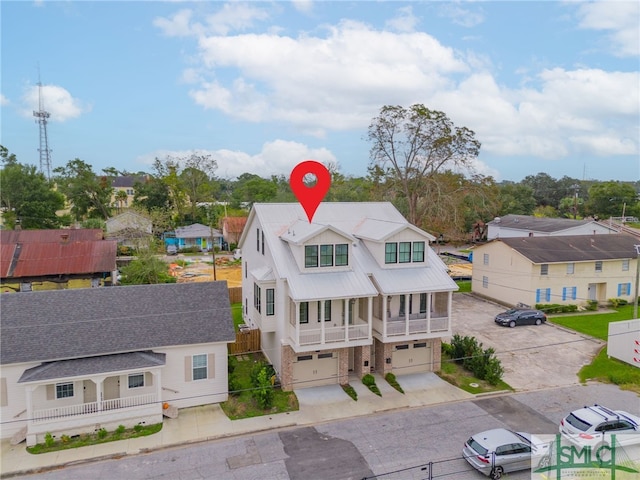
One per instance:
(198, 424)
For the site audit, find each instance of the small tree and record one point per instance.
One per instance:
(146, 269)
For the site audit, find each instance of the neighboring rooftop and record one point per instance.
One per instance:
(538, 224)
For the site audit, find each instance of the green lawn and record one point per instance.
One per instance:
(595, 325)
(603, 368)
(464, 285)
(236, 313)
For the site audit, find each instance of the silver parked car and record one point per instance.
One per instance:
(594, 426)
(497, 451)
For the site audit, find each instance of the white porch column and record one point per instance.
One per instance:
(297, 307)
(28, 389)
(385, 314)
(370, 316)
(429, 296)
(407, 309)
(158, 383)
(449, 305)
(321, 315)
(99, 390)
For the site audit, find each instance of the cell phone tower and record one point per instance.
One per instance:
(42, 115)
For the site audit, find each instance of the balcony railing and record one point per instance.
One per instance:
(93, 407)
(332, 334)
(417, 324)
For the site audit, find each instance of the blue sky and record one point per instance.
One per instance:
(546, 86)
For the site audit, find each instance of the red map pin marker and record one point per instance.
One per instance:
(310, 197)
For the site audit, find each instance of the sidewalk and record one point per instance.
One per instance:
(198, 424)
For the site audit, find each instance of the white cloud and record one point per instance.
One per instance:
(277, 158)
(303, 6)
(462, 16)
(56, 100)
(4, 100)
(620, 18)
(404, 21)
(179, 24)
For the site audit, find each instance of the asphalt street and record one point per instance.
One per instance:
(391, 446)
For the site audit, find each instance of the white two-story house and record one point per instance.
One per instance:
(359, 289)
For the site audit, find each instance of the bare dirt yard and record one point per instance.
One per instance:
(200, 270)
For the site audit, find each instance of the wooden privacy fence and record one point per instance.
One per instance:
(235, 295)
(246, 341)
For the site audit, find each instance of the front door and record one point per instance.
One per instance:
(89, 391)
(111, 388)
(592, 292)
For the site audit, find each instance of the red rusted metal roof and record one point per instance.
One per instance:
(235, 224)
(81, 252)
(45, 236)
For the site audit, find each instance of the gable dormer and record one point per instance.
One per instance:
(394, 245)
(319, 248)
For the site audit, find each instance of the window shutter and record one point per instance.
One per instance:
(619, 289)
(564, 293)
(211, 365)
(574, 292)
(188, 371)
(3, 392)
(51, 392)
(629, 288)
(538, 295)
(148, 379)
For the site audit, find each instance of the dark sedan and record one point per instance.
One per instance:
(519, 316)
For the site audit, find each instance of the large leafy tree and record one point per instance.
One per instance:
(610, 199)
(152, 194)
(516, 199)
(250, 188)
(26, 196)
(410, 146)
(89, 194)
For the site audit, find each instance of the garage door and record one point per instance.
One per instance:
(411, 358)
(313, 370)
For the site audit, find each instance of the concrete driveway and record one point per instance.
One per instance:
(533, 357)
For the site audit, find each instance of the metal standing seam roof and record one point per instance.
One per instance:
(197, 230)
(574, 248)
(281, 219)
(50, 236)
(45, 326)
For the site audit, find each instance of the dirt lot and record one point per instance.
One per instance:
(200, 270)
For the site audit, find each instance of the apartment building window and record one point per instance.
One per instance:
(271, 301)
(404, 253)
(136, 380)
(64, 390)
(625, 265)
(418, 251)
(256, 296)
(304, 312)
(571, 267)
(342, 255)
(199, 367)
(569, 293)
(599, 266)
(423, 303)
(326, 255)
(485, 259)
(311, 256)
(624, 289)
(262, 241)
(543, 294)
(391, 252)
(485, 282)
(544, 269)
(402, 304)
(258, 239)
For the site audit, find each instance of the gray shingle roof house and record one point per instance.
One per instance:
(357, 289)
(560, 269)
(529, 226)
(72, 359)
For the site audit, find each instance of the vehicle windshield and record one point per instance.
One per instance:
(511, 311)
(578, 423)
(476, 446)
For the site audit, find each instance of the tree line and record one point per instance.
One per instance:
(419, 161)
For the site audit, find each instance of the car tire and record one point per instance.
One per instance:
(496, 473)
(512, 323)
(538, 321)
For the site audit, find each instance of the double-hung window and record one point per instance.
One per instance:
(199, 366)
(256, 296)
(418, 251)
(404, 252)
(342, 254)
(391, 252)
(571, 268)
(544, 269)
(599, 266)
(423, 303)
(136, 380)
(304, 312)
(271, 301)
(311, 256)
(326, 255)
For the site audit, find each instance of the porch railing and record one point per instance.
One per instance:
(333, 334)
(93, 407)
(398, 325)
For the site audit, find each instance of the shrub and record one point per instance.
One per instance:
(482, 363)
(592, 305)
(391, 379)
(617, 302)
(48, 440)
(65, 438)
(102, 433)
(263, 393)
(556, 308)
(368, 379)
(235, 385)
(349, 390)
(137, 428)
(120, 430)
(232, 363)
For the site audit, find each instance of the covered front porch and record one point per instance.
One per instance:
(339, 322)
(97, 396)
(413, 314)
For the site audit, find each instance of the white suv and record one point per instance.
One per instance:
(593, 426)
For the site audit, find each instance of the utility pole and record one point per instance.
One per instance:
(213, 247)
(635, 296)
